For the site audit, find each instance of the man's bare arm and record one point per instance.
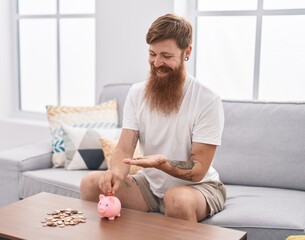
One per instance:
(124, 149)
(193, 169)
(196, 167)
(185, 166)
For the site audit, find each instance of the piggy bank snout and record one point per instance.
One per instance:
(101, 209)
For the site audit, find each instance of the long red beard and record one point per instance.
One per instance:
(164, 94)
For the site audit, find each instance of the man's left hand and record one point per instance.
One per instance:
(147, 161)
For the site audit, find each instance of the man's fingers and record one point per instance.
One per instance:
(115, 187)
(106, 183)
(139, 158)
(134, 160)
(131, 161)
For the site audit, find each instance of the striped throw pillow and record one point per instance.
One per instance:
(104, 115)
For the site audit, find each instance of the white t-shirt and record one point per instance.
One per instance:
(199, 119)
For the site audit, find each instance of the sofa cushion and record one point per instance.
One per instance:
(118, 91)
(82, 147)
(108, 147)
(261, 211)
(52, 180)
(263, 144)
(103, 115)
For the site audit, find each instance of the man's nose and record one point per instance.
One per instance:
(158, 62)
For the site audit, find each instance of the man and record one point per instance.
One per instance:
(178, 123)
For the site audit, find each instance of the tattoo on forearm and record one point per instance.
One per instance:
(186, 165)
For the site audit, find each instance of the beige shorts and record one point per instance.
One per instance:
(213, 191)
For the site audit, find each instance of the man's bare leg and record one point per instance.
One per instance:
(129, 193)
(186, 203)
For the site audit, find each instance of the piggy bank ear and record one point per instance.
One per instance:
(111, 199)
(102, 196)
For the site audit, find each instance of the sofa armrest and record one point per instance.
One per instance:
(16, 160)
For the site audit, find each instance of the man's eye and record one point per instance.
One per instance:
(152, 54)
(167, 57)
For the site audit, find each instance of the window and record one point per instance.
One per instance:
(251, 49)
(56, 53)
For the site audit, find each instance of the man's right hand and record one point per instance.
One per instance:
(109, 182)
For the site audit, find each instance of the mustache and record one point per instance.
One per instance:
(160, 69)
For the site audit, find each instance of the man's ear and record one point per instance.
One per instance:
(188, 51)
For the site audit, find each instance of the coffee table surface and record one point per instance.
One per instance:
(22, 220)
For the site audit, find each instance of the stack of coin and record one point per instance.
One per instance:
(63, 217)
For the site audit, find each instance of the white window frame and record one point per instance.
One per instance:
(17, 112)
(192, 14)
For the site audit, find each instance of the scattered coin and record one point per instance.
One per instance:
(63, 218)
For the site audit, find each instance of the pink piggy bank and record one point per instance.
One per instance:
(109, 207)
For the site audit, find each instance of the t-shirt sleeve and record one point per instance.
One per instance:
(129, 111)
(209, 124)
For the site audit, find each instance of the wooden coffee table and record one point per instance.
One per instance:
(22, 220)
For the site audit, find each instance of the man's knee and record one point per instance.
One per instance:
(178, 202)
(88, 186)
(86, 181)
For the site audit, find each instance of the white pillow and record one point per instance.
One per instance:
(82, 147)
(103, 115)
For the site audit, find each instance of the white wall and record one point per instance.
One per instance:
(122, 52)
(5, 59)
(15, 133)
(121, 56)
(13, 130)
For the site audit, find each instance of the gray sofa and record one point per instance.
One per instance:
(261, 161)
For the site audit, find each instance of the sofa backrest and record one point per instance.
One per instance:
(263, 144)
(116, 91)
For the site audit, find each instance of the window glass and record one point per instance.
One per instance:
(56, 53)
(76, 6)
(284, 4)
(225, 55)
(225, 5)
(77, 46)
(37, 7)
(38, 78)
(282, 58)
